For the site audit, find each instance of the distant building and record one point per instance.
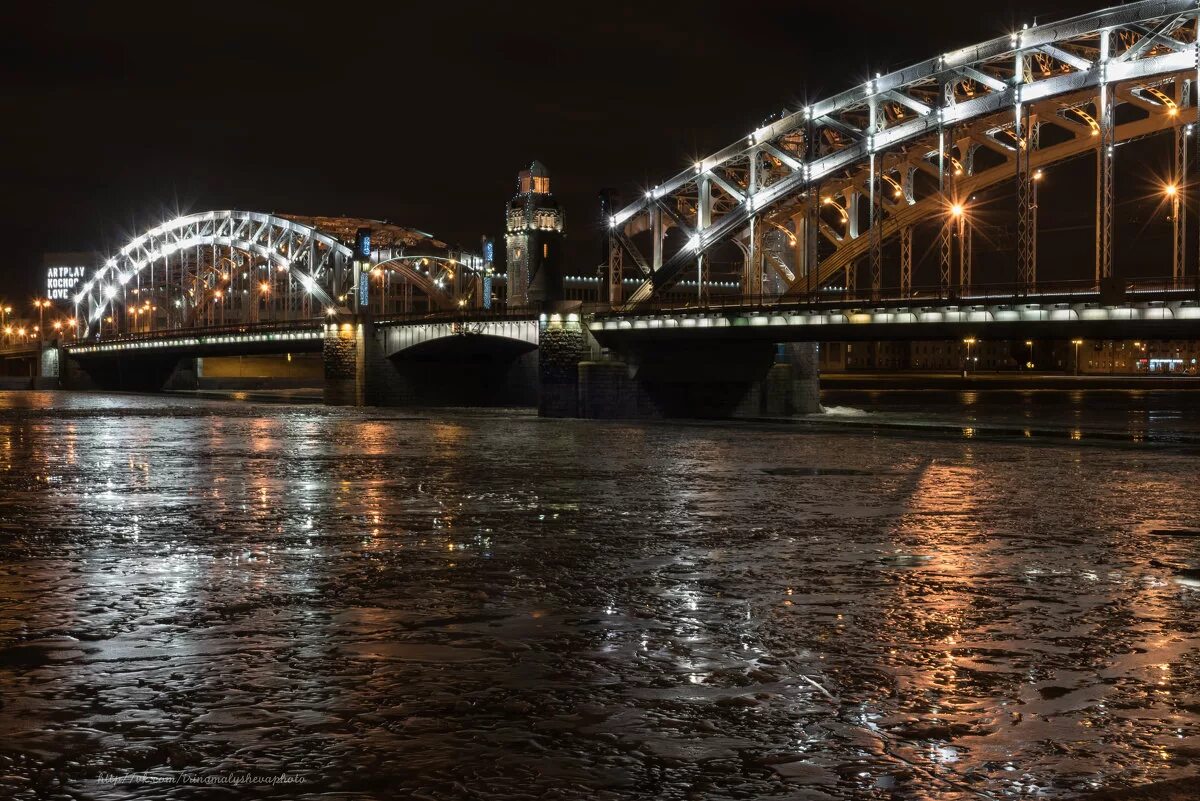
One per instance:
(534, 240)
(1150, 357)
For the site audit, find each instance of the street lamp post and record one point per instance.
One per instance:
(1077, 343)
(1174, 194)
(1029, 344)
(41, 307)
(969, 341)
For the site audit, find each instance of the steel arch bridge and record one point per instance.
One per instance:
(810, 196)
(223, 268)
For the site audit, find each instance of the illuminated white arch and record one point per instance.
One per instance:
(320, 263)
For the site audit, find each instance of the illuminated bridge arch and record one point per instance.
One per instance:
(231, 259)
(515, 334)
(810, 194)
(230, 268)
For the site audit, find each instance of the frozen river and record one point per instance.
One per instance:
(345, 603)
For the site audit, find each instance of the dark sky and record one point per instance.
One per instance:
(422, 114)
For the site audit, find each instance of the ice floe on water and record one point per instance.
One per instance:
(464, 606)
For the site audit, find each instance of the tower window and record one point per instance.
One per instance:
(545, 250)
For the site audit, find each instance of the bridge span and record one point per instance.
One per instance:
(749, 358)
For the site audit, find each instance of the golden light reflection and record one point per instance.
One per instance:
(938, 548)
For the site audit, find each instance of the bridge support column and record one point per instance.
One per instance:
(563, 344)
(357, 373)
(793, 387)
(48, 368)
(677, 379)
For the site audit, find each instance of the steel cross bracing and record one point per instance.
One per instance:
(906, 261)
(222, 268)
(976, 94)
(1178, 186)
(175, 268)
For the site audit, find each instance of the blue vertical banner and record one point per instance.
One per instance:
(489, 254)
(362, 257)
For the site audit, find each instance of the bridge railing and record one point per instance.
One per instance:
(984, 294)
(499, 313)
(207, 331)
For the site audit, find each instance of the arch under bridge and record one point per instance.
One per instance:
(830, 195)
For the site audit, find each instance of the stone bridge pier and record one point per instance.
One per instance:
(716, 381)
(579, 377)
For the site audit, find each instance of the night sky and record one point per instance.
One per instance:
(119, 114)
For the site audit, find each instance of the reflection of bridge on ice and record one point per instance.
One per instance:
(863, 179)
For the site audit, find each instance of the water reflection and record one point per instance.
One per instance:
(495, 605)
(1128, 415)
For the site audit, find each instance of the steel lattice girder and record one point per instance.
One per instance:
(830, 136)
(315, 258)
(912, 211)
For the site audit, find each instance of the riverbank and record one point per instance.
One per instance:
(908, 379)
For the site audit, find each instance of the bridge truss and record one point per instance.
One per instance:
(810, 198)
(222, 268)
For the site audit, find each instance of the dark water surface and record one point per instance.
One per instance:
(1131, 415)
(382, 604)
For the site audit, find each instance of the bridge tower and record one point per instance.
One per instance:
(534, 241)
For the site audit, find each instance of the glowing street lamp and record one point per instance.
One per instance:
(969, 341)
(41, 306)
(1076, 343)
